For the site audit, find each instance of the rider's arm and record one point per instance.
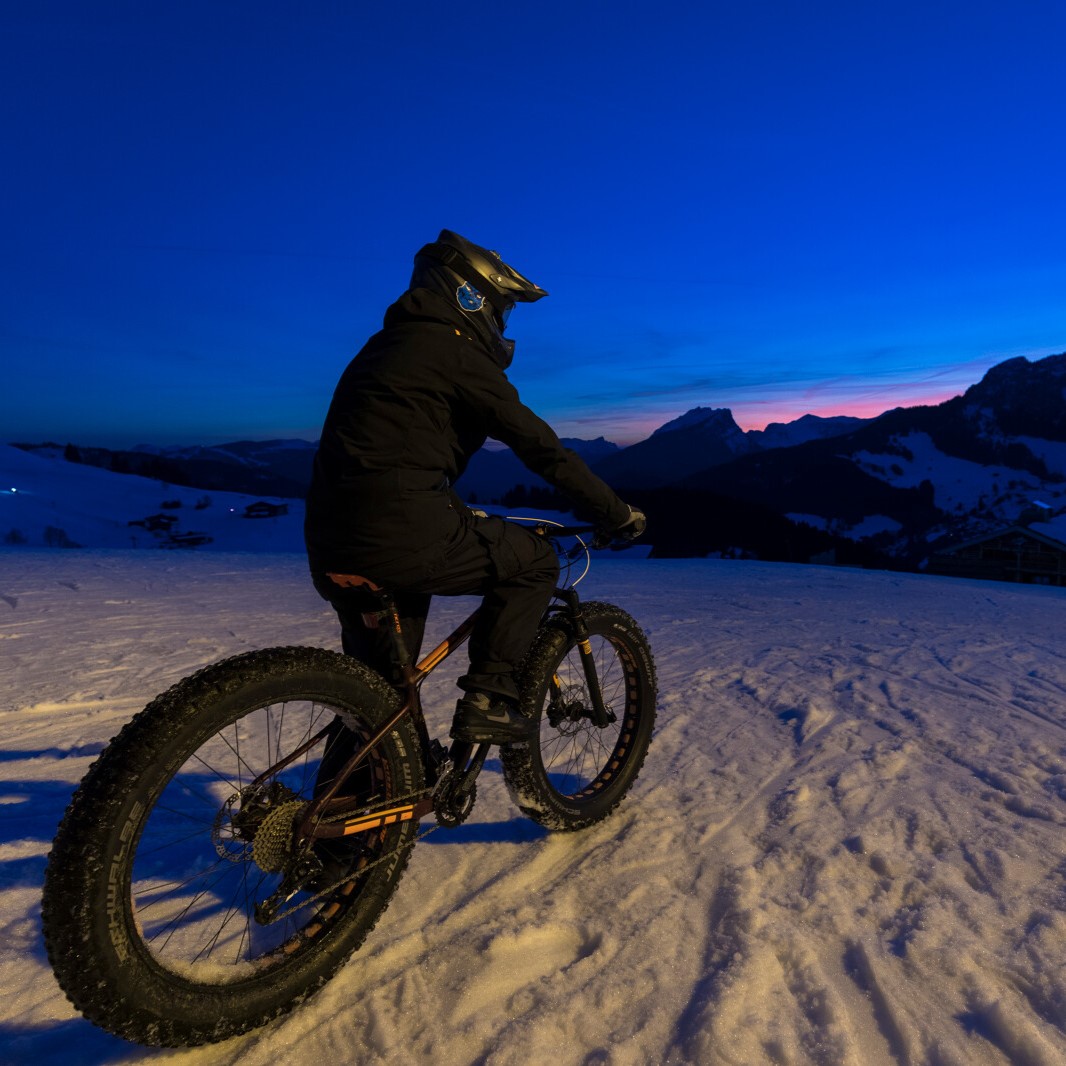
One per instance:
(484, 388)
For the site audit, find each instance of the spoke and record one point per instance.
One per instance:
(271, 759)
(230, 909)
(317, 714)
(225, 778)
(186, 779)
(206, 818)
(171, 841)
(147, 898)
(174, 924)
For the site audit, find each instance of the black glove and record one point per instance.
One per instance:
(632, 527)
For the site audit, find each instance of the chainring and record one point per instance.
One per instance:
(451, 806)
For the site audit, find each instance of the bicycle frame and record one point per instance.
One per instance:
(313, 824)
(192, 896)
(465, 759)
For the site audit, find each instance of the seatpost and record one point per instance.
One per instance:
(388, 613)
(392, 615)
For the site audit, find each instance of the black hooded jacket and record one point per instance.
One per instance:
(408, 413)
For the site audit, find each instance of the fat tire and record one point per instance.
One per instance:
(600, 768)
(94, 940)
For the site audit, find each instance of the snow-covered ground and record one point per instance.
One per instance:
(848, 844)
(88, 506)
(1052, 452)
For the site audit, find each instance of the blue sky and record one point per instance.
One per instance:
(777, 207)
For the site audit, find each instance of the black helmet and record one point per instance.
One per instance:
(478, 280)
(482, 270)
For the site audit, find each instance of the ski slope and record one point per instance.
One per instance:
(848, 844)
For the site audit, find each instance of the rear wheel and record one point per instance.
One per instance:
(186, 824)
(575, 772)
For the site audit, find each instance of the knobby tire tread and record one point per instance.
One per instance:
(523, 769)
(143, 1001)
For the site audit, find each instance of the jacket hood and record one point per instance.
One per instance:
(423, 305)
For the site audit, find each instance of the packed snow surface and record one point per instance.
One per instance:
(101, 509)
(847, 844)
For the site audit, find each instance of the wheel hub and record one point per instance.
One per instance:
(257, 824)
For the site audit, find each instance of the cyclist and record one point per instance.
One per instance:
(410, 410)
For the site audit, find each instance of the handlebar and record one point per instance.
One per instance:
(600, 538)
(568, 555)
(546, 530)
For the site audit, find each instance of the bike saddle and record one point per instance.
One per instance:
(354, 581)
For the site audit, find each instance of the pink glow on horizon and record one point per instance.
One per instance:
(754, 406)
(759, 414)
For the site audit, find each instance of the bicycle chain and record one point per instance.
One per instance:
(383, 804)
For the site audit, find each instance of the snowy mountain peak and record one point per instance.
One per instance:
(714, 418)
(1021, 374)
(1023, 398)
(697, 439)
(803, 429)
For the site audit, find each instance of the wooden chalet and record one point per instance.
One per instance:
(1018, 553)
(156, 523)
(262, 509)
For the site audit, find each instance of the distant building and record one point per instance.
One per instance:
(262, 509)
(1018, 553)
(186, 540)
(156, 523)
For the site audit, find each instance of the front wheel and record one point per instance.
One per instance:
(575, 773)
(186, 824)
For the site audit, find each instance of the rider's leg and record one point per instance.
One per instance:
(515, 571)
(511, 611)
(372, 645)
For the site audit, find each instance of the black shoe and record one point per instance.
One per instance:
(480, 719)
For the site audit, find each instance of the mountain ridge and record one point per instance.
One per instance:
(907, 482)
(940, 472)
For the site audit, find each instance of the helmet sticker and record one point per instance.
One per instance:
(469, 298)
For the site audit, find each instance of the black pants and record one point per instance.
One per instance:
(512, 568)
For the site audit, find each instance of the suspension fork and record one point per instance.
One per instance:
(601, 717)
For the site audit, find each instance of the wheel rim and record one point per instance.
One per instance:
(580, 759)
(194, 883)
